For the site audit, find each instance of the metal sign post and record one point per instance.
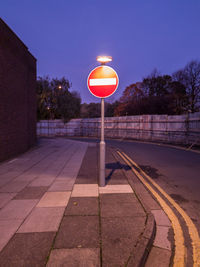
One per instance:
(102, 82)
(102, 148)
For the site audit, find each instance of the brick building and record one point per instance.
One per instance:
(17, 95)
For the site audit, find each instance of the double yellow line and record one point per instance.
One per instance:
(180, 250)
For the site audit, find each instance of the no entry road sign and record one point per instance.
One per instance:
(102, 81)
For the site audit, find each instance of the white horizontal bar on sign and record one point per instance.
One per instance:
(104, 81)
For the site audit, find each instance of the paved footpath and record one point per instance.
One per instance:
(52, 212)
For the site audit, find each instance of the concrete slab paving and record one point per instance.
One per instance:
(161, 218)
(54, 199)
(5, 198)
(119, 197)
(42, 220)
(82, 206)
(78, 232)
(62, 184)
(31, 192)
(89, 174)
(113, 207)
(7, 230)
(109, 189)
(14, 186)
(42, 181)
(75, 257)
(158, 257)
(161, 238)
(85, 190)
(119, 236)
(27, 250)
(25, 178)
(109, 219)
(17, 209)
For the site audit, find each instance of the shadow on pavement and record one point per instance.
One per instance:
(113, 167)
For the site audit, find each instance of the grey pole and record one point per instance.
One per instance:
(102, 148)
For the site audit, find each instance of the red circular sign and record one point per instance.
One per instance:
(102, 81)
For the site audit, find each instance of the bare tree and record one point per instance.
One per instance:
(190, 78)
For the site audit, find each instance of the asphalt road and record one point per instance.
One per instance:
(176, 170)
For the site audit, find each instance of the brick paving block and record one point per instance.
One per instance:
(43, 220)
(5, 198)
(85, 190)
(54, 199)
(82, 206)
(75, 257)
(7, 230)
(78, 232)
(17, 209)
(119, 238)
(27, 250)
(32, 192)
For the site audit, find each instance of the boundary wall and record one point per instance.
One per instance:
(181, 129)
(17, 95)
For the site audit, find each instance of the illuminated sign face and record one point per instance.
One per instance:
(102, 81)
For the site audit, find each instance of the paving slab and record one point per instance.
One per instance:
(9, 175)
(161, 238)
(161, 218)
(46, 180)
(43, 220)
(31, 192)
(119, 236)
(78, 232)
(82, 206)
(117, 205)
(85, 190)
(109, 189)
(75, 257)
(14, 186)
(92, 219)
(158, 257)
(7, 230)
(25, 178)
(27, 250)
(142, 192)
(54, 199)
(119, 197)
(62, 184)
(17, 209)
(89, 174)
(5, 198)
(113, 172)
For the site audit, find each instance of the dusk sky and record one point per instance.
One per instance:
(66, 36)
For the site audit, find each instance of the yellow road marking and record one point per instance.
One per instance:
(194, 235)
(179, 255)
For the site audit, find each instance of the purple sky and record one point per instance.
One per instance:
(66, 36)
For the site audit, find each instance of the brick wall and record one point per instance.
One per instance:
(17, 95)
